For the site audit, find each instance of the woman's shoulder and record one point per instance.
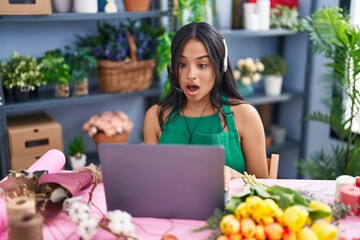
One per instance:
(245, 111)
(153, 111)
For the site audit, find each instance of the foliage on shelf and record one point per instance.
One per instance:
(55, 67)
(82, 63)
(20, 71)
(333, 36)
(274, 65)
(111, 40)
(76, 146)
(196, 10)
(282, 16)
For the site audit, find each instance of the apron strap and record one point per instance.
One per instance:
(229, 118)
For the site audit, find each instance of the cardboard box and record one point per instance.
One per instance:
(39, 7)
(25, 162)
(34, 134)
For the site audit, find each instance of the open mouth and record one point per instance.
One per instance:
(192, 89)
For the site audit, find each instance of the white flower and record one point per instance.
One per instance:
(79, 211)
(256, 77)
(236, 74)
(246, 80)
(119, 222)
(87, 228)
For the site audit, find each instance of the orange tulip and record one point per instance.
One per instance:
(229, 224)
(247, 227)
(274, 231)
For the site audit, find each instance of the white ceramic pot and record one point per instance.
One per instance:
(78, 162)
(273, 85)
(62, 6)
(86, 6)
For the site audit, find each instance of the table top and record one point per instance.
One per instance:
(59, 226)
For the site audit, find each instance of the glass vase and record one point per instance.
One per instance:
(245, 90)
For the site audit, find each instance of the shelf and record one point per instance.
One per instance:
(288, 144)
(47, 100)
(83, 16)
(268, 33)
(259, 98)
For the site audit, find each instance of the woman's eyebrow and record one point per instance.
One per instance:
(201, 57)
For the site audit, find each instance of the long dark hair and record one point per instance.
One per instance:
(224, 81)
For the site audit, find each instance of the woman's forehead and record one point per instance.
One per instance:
(194, 48)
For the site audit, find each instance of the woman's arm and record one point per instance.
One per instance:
(151, 126)
(252, 139)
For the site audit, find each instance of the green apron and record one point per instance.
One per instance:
(208, 131)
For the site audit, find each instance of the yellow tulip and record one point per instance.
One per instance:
(324, 230)
(229, 224)
(317, 205)
(307, 234)
(295, 217)
(241, 211)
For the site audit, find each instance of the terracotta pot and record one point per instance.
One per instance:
(102, 138)
(137, 5)
(62, 90)
(81, 89)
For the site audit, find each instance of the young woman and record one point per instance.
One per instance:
(204, 107)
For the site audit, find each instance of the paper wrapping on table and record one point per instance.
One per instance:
(74, 182)
(53, 161)
(350, 195)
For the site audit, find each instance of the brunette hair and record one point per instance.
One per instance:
(224, 80)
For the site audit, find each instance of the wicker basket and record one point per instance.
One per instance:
(125, 77)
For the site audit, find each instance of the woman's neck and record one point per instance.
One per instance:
(195, 109)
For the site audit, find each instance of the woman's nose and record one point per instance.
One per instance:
(191, 72)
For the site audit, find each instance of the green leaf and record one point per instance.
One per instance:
(232, 204)
(317, 214)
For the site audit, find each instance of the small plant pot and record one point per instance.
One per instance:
(273, 85)
(137, 5)
(102, 138)
(21, 94)
(62, 90)
(77, 162)
(81, 89)
(278, 134)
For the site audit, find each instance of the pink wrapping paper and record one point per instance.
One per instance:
(53, 161)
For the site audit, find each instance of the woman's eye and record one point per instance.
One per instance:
(182, 65)
(202, 66)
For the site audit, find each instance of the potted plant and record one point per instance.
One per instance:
(109, 126)
(335, 38)
(21, 74)
(76, 152)
(58, 71)
(125, 55)
(247, 72)
(275, 69)
(83, 64)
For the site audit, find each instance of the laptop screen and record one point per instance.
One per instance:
(163, 181)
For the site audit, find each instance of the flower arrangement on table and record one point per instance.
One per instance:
(38, 190)
(247, 72)
(109, 126)
(271, 212)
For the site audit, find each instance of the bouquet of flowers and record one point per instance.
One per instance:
(248, 70)
(272, 212)
(108, 122)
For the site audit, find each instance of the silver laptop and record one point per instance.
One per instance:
(163, 181)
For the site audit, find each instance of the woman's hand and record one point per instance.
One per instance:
(229, 174)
